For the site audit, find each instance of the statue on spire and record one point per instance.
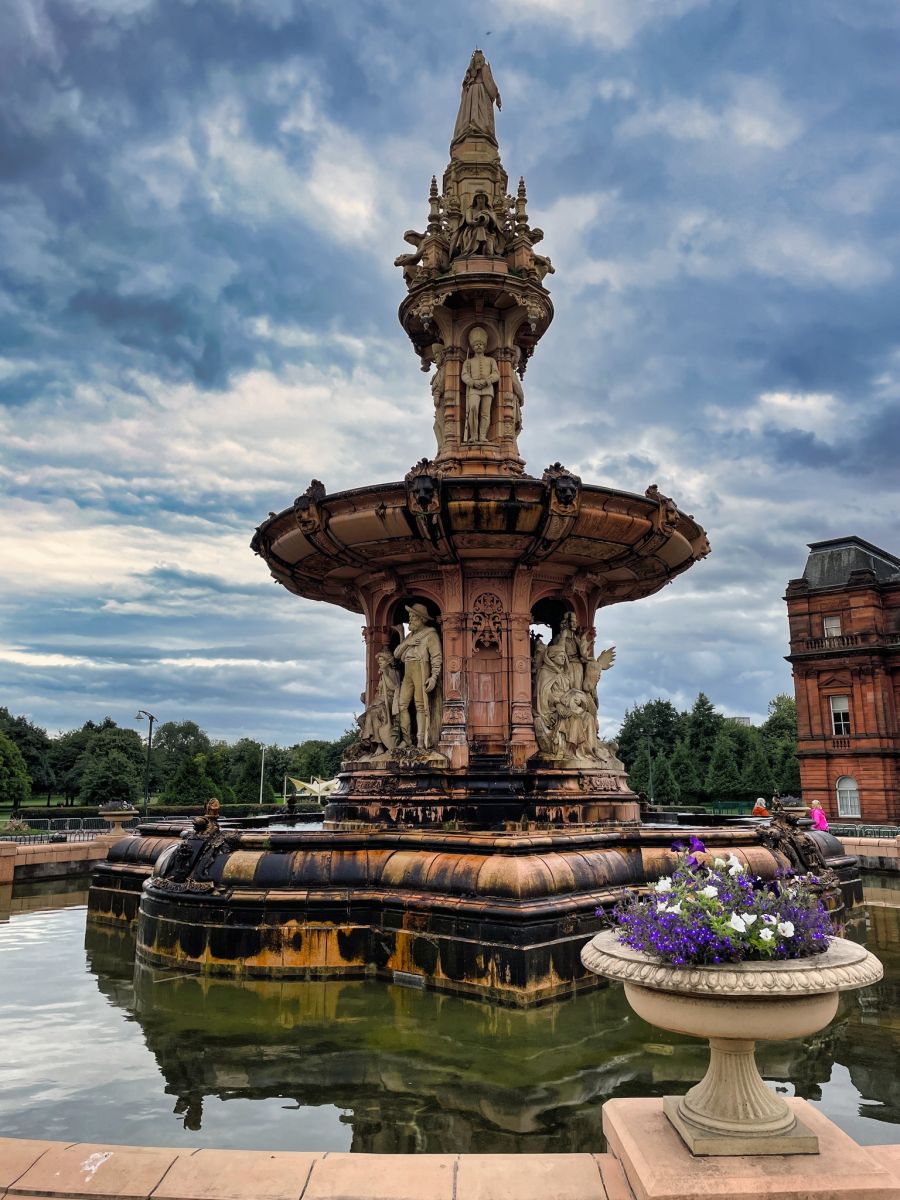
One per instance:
(476, 105)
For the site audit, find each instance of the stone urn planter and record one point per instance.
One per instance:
(731, 1111)
(117, 815)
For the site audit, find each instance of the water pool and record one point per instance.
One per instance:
(94, 1050)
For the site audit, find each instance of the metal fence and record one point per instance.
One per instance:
(863, 831)
(58, 829)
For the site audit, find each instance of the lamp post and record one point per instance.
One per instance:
(262, 774)
(140, 715)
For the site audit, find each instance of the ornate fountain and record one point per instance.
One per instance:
(480, 823)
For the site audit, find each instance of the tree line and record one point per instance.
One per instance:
(693, 756)
(702, 755)
(103, 762)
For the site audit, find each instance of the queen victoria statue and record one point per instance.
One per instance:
(476, 106)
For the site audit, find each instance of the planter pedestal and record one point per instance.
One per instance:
(731, 1111)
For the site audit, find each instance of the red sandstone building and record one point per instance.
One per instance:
(844, 616)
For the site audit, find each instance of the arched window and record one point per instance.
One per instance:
(847, 796)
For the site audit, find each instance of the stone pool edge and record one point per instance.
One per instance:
(647, 1161)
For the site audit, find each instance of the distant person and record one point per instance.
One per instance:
(759, 808)
(818, 816)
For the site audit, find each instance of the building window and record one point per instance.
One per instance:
(840, 715)
(831, 626)
(847, 797)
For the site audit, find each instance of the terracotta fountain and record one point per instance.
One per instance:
(480, 822)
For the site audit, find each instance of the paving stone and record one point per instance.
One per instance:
(236, 1175)
(17, 1155)
(118, 1172)
(382, 1177)
(529, 1177)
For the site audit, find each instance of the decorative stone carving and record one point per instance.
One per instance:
(565, 483)
(479, 374)
(377, 725)
(668, 509)
(517, 390)
(487, 627)
(306, 507)
(565, 705)
(422, 488)
(542, 264)
(480, 233)
(476, 105)
(437, 395)
(186, 866)
(799, 847)
(422, 657)
(410, 262)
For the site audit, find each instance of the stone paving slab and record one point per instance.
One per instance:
(529, 1177)
(17, 1155)
(236, 1175)
(117, 1172)
(659, 1166)
(383, 1177)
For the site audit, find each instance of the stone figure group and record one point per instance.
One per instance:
(386, 725)
(565, 678)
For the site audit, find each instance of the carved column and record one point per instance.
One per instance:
(454, 741)
(522, 742)
(453, 405)
(377, 638)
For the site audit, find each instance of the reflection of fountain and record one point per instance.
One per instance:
(412, 1069)
(480, 822)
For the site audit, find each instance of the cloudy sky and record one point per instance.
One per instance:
(200, 201)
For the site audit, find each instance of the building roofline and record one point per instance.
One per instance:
(853, 540)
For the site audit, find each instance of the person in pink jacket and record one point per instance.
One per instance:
(818, 816)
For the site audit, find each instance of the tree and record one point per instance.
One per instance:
(756, 774)
(786, 767)
(684, 770)
(722, 777)
(781, 723)
(190, 784)
(34, 746)
(109, 778)
(15, 786)
(658, 720)
(703, 725)
(217, 772)
(173, 742)
(665, 786)
(639, 772)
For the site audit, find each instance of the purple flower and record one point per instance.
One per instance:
(697, 846)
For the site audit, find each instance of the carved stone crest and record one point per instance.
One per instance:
(487, 626)
(306, 507)
(565, 483)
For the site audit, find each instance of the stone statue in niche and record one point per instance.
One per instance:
(517, 390)
(479, 374)
(422, 658)
(480, 232)
(476, 105)
(437, 394)
(410, 262)
(377, 724)
(565, 705)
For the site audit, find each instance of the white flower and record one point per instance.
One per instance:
(748, 919)
(766, 935)
(664, 884)
(737, 923)
(786, 928)
(674, 908)
(709, 891)
(661, 907)
(720, 863)
(735, 869)
(733, 860)
(768, 918)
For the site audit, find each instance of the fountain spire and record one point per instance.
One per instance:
(477, 304)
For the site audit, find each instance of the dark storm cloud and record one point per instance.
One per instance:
(199, 205)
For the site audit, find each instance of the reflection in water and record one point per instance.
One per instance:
(173, 1059)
